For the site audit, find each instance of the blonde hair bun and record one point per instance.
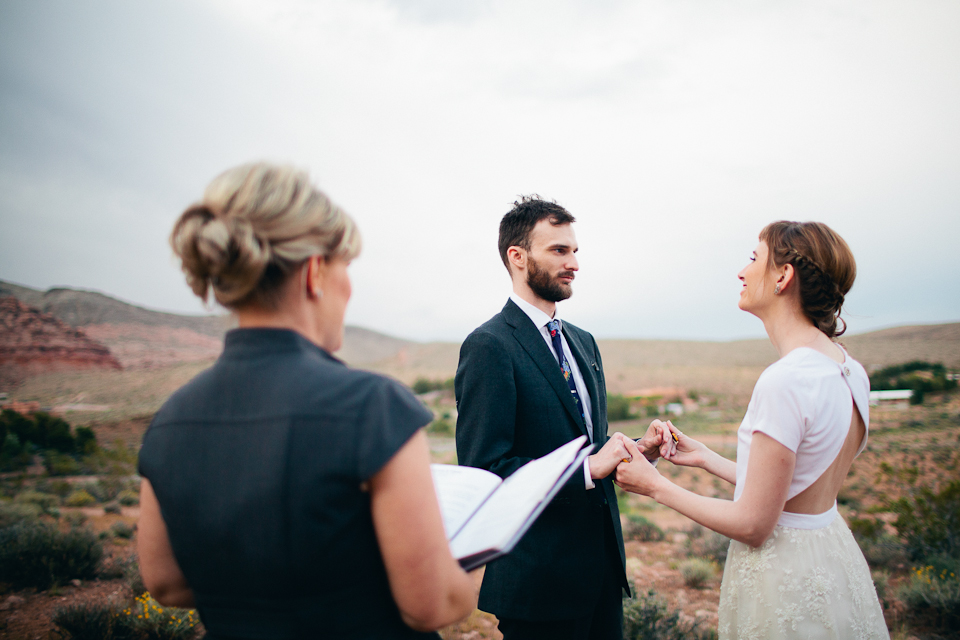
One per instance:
(254, 226)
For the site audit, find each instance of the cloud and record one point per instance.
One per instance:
(673, 130)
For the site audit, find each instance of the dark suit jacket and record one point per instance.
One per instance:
(514, 405)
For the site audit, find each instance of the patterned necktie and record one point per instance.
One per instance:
(554, 327)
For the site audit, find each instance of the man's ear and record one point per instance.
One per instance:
(517, 257)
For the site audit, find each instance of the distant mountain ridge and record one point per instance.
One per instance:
(174, 338)
(177, 338)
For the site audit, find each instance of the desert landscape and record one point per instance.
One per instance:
(103, 366)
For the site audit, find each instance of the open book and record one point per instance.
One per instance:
(485, 516)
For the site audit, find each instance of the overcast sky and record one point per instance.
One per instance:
(673, 130)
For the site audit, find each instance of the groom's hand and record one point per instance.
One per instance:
(603, 462)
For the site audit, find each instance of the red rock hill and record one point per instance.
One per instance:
(32, 342)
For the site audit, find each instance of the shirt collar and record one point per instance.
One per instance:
(537, 316)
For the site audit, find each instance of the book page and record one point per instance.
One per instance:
(460, 490)
(510, 506)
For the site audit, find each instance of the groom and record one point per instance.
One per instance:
(527, 383)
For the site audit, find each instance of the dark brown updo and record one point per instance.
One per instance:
(824, 266)
(256, 224)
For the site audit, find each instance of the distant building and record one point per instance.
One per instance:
(899, 397)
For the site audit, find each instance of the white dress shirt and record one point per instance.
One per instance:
(540, 320)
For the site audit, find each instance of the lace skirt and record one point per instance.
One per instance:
(801, 583)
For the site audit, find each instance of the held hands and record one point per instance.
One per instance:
(637, 475)
(657, 441)
(603, 462)
(685, 451)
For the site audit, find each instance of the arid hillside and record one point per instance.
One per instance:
(33, 342)
(141, 338)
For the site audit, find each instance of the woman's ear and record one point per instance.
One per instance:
(785, 277)
(315, 269)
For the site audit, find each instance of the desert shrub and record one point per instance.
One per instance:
(79, 498)
(116, 567)
(121, 529)
(89, 621)
(704, 543)
(646, 617)
(426, 385)
(12, 513)
(878, 547)
(43, 500)
(697, 572)
(55, 486)
(75, 518)
(881, 582)
(60, 464)
(86, 440)
(442, 426)
(128, 498)
(112, 507)
(932, 597)
(143, 620)
(618, 407)
(929, 521)
(639, 528)
(38, 555)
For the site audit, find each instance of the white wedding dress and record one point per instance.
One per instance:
(809, 579)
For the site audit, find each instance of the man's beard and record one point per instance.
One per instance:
(546, 286)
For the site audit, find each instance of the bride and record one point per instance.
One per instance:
(793, 569)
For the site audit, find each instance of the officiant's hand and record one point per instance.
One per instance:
(638, 475)
(603, 462)
(687, 452)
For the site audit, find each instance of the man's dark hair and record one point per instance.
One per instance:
(518, 223)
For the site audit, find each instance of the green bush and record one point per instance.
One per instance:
(704, 543)
(121, 529)
(12, 513)
(146, 619)
(426, 385)
(646, 617)
(618, 408)
(128, 498)
(929, 521)
(38, 555)
(89, 621)
(932, 597)
(75, 518)
(60, 464)
(639, 528)
(881, 582)
(43, 500)
(86, 440)
(697, 572)
(113, 507)
(79, 498)
(878, 547)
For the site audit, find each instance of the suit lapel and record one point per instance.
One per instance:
(588, 371)
(536, 347)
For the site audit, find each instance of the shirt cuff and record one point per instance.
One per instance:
(587, 480)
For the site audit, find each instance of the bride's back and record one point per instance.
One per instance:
(821, 495)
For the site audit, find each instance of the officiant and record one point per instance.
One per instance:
(285, 495)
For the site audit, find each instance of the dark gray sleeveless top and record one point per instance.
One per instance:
(257, 465)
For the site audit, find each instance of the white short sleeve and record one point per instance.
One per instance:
(776, 409)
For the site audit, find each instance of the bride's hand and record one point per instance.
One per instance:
(638, 475)
(686, 452)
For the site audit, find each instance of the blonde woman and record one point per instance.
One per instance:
(285, 495)
(793, 569)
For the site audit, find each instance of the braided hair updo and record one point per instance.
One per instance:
(256, 224)
(824, 267)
